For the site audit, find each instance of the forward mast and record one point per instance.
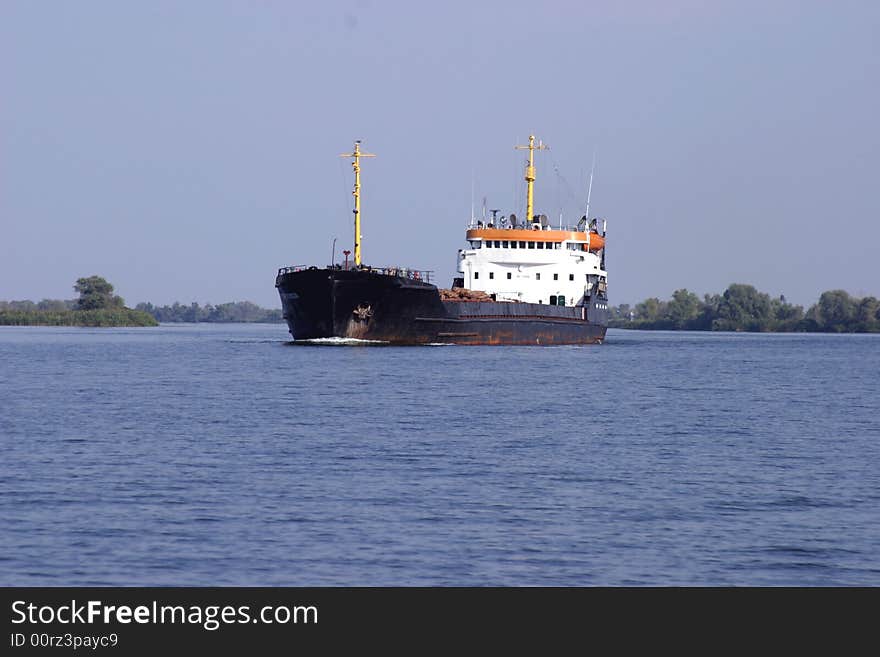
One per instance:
(356, 154)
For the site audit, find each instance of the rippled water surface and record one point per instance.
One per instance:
(222, 455)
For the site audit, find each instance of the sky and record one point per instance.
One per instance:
(187, 150)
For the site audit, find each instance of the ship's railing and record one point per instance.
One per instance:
(595, 225)
(291, 269)
(424, 275)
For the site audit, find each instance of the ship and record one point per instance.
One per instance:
(519, 282)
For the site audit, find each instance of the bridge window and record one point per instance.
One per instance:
(512, 244)
(488, 244)
(497, 244)
(522, 245)
(540, 245)
(531, 245)
(504, 244)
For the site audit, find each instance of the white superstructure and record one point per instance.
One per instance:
(534, 265)
(531, 262)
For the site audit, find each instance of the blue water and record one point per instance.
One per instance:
(221, 455)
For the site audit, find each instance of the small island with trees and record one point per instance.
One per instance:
(96, 306)
(743, 308)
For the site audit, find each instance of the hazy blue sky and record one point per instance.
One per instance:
(186, 150)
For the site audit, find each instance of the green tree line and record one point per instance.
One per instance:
(96, 306)
(236, 311)
(743, 308)
(96, 317)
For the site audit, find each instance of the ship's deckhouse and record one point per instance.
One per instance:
(531, 262)
(556, 267)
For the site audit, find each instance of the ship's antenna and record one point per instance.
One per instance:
(590, 189)
(473, 176)
(530, 174)
(356, 165)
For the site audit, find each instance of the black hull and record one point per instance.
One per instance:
(369, 305)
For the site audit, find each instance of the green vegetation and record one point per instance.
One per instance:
(96, 294)
(743, 308)
(237, 311)
(119, 317)
(96, 306)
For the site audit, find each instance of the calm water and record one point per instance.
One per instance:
(220, 455)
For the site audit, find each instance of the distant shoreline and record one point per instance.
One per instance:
(84, 318)
(742, 308)
(54, 312)
(234, 312)
(636, 326)
(97, 306)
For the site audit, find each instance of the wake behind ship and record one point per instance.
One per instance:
(520, 283)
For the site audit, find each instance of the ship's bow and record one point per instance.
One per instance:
(364, 304)
(306, 302)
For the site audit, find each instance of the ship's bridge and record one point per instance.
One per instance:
(535, 239)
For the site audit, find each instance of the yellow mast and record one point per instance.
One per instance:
(357, 155)
(530, 174)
